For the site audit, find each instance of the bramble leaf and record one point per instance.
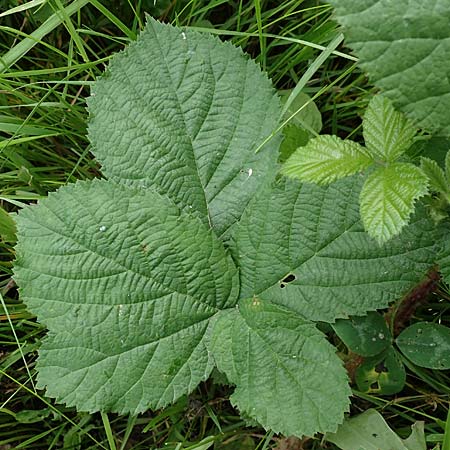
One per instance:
(325, 159)
(283, 368)
(183, 112)
(436, 176)
(303, 247)
(404, 46)
(388, 197)
(132, 281)
(126, 284)
(387, 133)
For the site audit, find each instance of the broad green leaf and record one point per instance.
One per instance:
(126, 285)
(387, 133)
(287, 375)
(304, 125)
(369, 431)
(303, 247)
(293, 138)
(183, 113)
(436, 176)
(433, 147)
(325, 159)
(388, 197)
(383, 374)
(307, 115)
(7, 226)
(366, 336)
(426, 344)
(404, 46)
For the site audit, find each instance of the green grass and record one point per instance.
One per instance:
(50, 54)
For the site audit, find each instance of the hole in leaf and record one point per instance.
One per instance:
(282, 285)
(375, 435)
(289, 278)
(380, 367)
(374, 385)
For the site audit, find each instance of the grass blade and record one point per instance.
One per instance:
(25, 45)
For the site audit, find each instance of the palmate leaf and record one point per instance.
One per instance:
(284, 368)
(387, 133)
(183, 112)
(388, 197)
(126, 284)
(303, 247)
(404, 46)
(132, 281)
(325, 159)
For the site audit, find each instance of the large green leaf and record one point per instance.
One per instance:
(183, 112)
(369, 431)
(387, 133)
(303, 246)
(126, 285)
(287, 375)
(307, 115)
(326, 159)
(388, 197)
(404, 45)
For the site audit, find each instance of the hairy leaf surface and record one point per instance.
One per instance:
(325, 159)
(388, 197)
(303, 246)
(387, 133)
(183, 113)
(138, 293)
(404, 45)
(284, 369)
(126, 285)
(436, 176)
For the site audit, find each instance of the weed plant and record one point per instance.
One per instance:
(44, 80)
